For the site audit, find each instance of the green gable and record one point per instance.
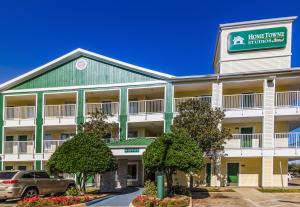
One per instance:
(96, 73)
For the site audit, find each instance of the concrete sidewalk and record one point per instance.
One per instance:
(259, 199)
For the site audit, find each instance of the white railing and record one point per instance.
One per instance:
(245, 141)
(18, 147)
(178, 101)
(110, 140)
(146, 106)
(287, 140)
(287, 99)
(243, 101)
(66, 110)
(51, 145)
(19, 112)
(111, 108)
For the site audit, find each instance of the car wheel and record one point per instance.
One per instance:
(30, 192)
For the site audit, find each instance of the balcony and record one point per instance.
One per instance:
(20, 116)
(146, 110)
(60, 114)
(243, 105)
(287, 143)
(178, 101)
(287, 103)
(14, 150)
(111, 109)
(51, 145)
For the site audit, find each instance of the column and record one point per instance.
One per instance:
(123, 113)
(268, 119)
(1, 123)
(268, 131)
(39, 123)
(267, 172)
(216, 102)
(80, 107)
(39, 128)
(168, 115)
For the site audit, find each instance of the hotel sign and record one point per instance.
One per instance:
(131, 150)
(257, 39)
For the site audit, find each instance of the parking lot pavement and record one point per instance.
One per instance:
(219, 199)
(9, 203)
(246, 197)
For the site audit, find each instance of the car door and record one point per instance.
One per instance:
(44, 183)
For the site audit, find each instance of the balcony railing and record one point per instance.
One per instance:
(287, 99)
(111, 108)
(66, 110)
(51, 145)
(178, 101)
(19, 112)
(243, 101)
(287, 140)
(245, 141)
(18, 147)
(146, 106)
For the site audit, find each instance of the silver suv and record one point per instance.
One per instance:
(26, 184)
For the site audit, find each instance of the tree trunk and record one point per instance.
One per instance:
(169, 178)
(83, 182)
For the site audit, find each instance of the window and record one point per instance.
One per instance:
(22, 167)
(28, 175)
(41, 175)
(132, 171)
(132, 134)
(7, 175)
(8, 167)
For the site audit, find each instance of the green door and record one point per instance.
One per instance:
(208, 174)
(246, 138)
(233, 173)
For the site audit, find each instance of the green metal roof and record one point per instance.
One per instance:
(141, 141)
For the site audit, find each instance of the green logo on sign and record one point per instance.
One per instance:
(257, 39)
(131, 150)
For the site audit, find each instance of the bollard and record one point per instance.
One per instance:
(160, 186)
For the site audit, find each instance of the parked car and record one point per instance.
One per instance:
(26, 184)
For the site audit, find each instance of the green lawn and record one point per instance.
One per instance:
(279, 190)
(212, 189)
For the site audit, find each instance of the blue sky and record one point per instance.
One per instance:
(176, 37)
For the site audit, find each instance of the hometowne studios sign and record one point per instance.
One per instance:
(257, 39)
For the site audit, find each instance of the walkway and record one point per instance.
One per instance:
(122, 199)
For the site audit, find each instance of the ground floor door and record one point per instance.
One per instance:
(232, 174)
(208, 174)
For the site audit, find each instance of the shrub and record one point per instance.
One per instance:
(73, 191)
(181, 190)
(51, 201)
(150, 188)
(151, 201)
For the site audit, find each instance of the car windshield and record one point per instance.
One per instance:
(7, 175)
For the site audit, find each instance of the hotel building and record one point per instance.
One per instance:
(253, 83)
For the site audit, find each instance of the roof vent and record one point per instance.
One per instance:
(81, 64)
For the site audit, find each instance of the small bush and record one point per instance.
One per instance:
(52, 201)
(181, 190)
(150, 188)
(73, 191)
(151, 201)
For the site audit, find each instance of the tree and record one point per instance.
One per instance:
(171, 152)
(294, 168)
(202, 123)
(85, 154)
(98, 125)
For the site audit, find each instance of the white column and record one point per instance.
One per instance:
(217, 93)
(268, 131)
(268, 120)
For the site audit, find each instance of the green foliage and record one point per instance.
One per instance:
(72, 192)
(295, 168)
(172, 152)
(150, 201)
(98, 125)
(149, 188)
(84, 154)
(201, 122)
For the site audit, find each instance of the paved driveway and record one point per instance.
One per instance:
(246, 197)
(122, 199)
